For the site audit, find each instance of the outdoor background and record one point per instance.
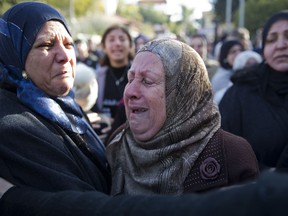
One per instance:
(182, 18)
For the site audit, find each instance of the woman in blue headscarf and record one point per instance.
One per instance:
(46, 141)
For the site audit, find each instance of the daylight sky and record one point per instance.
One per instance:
(198, 6)
(173, 6)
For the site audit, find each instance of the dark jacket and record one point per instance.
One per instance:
(267, 196)
(221, 164)
(250, 109)
(36, 152)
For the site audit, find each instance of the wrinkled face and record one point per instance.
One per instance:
(117, 47)
(233, 52)
(51, 61)
(276, 46)
(144, 96)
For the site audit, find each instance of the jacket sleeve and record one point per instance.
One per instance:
(267, 196)
(242, 163)
(35, 154)
(230, 109)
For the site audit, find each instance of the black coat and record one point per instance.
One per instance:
(268, 196)
(249, 109)
(36, 152)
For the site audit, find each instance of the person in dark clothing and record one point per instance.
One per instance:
(267, 196)
(228, 52)
(46, 140)
(118, 51)
(256, 107)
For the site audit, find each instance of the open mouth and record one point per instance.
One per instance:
(140, 110)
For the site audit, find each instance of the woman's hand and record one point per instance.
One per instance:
(100, 123)
(4, 186)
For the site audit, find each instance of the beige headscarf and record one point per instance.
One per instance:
(162, 164)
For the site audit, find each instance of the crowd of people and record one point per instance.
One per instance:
(138, 130)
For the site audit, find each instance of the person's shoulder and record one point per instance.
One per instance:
(15, 117)
(4, 93)
(101, 70)
(247, 76)
(239, 91)
(220, 73)
(240, 155)
(9, 103)
(236, 147)
(232, 139)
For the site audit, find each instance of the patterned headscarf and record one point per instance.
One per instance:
(162, 164)
(19, 27)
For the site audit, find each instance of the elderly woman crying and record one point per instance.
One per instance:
(172, 142)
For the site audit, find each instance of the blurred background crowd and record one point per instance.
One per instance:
(182, 19)
(107, 33)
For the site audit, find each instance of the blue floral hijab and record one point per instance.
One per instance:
(19, 27)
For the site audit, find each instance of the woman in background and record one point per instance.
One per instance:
(118, 50)
(256, 106)
(243, 60)
(228, 52)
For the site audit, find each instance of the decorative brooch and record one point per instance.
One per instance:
(209, 169)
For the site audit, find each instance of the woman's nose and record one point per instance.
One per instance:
(118, 41)
(282, 42)
(132, 90)
(63, 54)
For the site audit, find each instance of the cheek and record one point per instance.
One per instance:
(107, 48)
(30, 64)
(73, 62)
(125, 93)
(36, 72)
(267, 52)
(73, 71)
(161, 106)
(127, 45)
(230, 59)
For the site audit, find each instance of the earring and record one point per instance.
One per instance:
(24, 75)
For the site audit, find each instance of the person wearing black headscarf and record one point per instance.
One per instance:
(256, 106)
(46, 141)
(228, 52)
